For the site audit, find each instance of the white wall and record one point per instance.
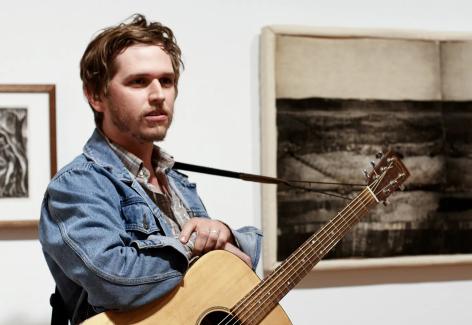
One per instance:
(217, 124)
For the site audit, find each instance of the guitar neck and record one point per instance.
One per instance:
(264, 297)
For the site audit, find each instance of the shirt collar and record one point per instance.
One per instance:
(160, 160)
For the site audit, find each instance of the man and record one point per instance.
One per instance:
(119, 227)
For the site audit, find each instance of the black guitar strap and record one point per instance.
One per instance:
(228, 173)
(59, 314)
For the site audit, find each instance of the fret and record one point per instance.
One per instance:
(255, 305)
(268, 293)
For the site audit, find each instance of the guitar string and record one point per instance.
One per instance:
(306, 189)
(329, 226)
(295, 266)
(327, 247)
(276, 280)
(334, 241)
(363, 204)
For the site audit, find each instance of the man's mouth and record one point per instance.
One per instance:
(156, 116)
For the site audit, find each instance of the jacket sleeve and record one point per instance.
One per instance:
(249, 239)
(82, 230)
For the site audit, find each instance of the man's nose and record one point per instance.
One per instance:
(156, 92)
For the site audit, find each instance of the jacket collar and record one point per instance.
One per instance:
(99, 151)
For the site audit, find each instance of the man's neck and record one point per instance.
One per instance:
(142, 150)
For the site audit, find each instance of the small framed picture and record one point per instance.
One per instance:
(27, 151)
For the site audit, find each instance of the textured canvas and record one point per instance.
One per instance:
(13, 154)
(331, 99)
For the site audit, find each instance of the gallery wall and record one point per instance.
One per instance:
(216, 124)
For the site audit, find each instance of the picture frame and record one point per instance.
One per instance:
(273, 68)
(28, 112)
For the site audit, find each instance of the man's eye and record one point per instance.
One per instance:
(138, 82)
(167, 82)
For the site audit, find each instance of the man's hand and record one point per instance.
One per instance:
(211, 235)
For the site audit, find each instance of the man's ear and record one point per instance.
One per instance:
(95, 101)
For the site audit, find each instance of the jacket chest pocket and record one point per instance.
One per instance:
(139, 219)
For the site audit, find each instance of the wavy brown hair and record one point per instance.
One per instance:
(97, 66)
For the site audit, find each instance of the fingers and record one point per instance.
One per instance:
(207, 240)
(222, 240)
(200, 241)
(213, 237)
(187, 230)
(209, 235)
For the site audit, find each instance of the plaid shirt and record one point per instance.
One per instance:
(164, 197)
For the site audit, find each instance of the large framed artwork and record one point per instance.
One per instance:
(331, 99)
(27, 152)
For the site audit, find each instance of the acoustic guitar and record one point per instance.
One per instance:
(220, 289)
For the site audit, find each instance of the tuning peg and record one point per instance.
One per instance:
(379, 155)
(372, 163)
(366, 174)
(385, 202)
(401, 187)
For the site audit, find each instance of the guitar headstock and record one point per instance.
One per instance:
(387, 175)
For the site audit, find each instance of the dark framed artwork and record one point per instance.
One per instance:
(27, 152)
(331, 99)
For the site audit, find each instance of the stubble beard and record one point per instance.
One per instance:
(122, 123)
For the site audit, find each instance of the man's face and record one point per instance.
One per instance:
(139, 105)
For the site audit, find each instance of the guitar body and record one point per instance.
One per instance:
(217, 281)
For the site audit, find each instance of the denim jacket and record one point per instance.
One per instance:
(106, 243)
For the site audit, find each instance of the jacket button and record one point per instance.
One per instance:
(145, 223)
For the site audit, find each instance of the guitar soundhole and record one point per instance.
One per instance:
(219, 317)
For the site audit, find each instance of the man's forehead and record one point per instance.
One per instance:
(143, 57)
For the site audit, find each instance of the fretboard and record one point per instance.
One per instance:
(265, 296)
